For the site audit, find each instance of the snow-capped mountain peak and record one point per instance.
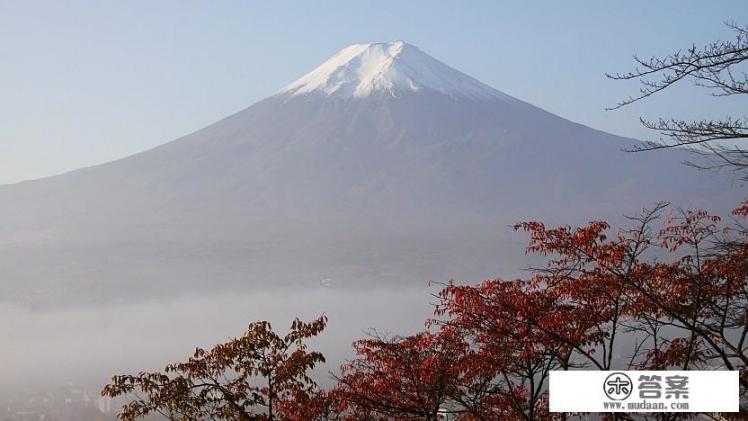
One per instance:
(393, 69)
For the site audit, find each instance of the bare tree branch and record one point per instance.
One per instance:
(716, 67)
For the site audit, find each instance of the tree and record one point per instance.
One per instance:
(718, 67)
(703, 293)
(410, 377)
(252, 377)
(510, 353)
(675, 285)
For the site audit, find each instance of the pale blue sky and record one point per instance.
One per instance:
(83, 82)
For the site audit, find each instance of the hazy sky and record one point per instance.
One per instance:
(86, 82)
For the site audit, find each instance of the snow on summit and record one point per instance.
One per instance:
(394, 68)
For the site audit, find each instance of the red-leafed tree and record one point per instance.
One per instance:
(509, 356)
(400, 378)
(252, 377)
(697, 303)
(590, 271)
(664, 293)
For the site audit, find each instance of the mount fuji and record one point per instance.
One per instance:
(382, 166)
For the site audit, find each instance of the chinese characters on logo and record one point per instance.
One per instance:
(651, 387)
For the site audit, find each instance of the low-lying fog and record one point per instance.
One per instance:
(46, 348)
